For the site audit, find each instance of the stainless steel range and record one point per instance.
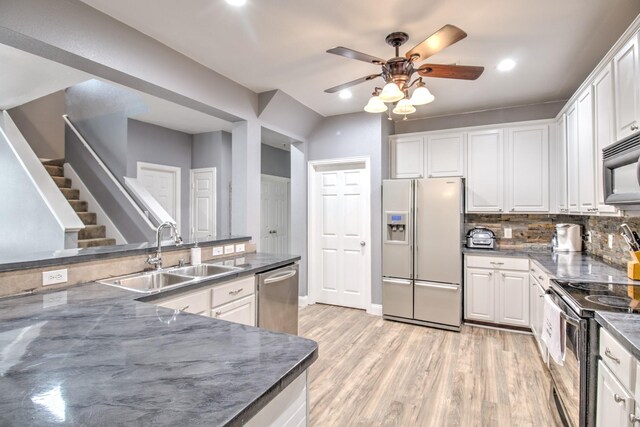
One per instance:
(573, 391)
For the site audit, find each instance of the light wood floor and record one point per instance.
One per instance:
(372, 372)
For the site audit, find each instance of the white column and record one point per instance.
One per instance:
(245, 182)
(299, 210)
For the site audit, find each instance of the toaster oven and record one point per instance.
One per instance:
(480, 237)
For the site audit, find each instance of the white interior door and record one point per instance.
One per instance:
(274, 216)
(340, 270)
(203, 203)
(163, 183)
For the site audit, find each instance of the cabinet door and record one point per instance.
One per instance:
(513, 298)
(533, 307)
(573, 177)
(240, 311)
(561, 165)
(479, 292)
(626, 75)
(406, 156)
(613, 402)
(604, 126)
(192, 302)
(586, 168)
(485, 174)
(527, 163)
(445, 155)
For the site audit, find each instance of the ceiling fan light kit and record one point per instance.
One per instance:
(397, 71)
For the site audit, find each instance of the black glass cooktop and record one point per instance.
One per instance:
(593, 296)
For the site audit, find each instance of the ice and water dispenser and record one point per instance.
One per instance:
(397, 230)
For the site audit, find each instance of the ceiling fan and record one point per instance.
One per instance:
(397, 71)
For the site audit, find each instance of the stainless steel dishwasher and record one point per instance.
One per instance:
(278, 299)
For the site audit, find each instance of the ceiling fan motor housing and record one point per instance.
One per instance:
(398, 70)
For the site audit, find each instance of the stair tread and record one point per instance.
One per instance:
(88, 218)
(71, 193)
(62, 182)
(54, 170)
(53, 162)
(79, 205)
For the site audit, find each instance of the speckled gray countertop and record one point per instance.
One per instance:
(625, 327)
(576, 266)
(94, 355)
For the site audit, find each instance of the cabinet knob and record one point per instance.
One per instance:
(184, 308)
(634, 127)
(633, 418)
(610, 355)
(218, 313)
(618, 398)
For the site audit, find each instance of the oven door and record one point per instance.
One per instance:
(566, 377)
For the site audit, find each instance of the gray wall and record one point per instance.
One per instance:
(155, 144)
(357, 135)
(504, 115)
(40, 121)
(27, 224)
(213, 149)
(275, 161)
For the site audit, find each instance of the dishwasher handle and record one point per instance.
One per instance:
(280, 277)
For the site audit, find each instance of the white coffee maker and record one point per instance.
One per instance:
(569, 238)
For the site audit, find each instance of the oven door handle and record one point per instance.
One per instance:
(570, 320)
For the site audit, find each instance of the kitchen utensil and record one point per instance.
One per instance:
(629, 236)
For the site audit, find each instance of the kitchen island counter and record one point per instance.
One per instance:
(93, 354)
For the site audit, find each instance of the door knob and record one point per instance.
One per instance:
(362, 243)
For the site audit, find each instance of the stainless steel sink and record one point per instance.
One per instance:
(204, 270)
(148, 282)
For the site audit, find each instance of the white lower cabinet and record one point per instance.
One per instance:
(287, 409)
(536, 310)
(234, 301)
(497, 295)
(614, 403)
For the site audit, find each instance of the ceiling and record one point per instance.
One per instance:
(281, 44)
(26, 77)
(276, 139)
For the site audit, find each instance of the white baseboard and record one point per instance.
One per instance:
(303, 301)
(93, 205)
(375, 309)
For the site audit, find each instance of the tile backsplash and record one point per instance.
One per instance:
(535, 231)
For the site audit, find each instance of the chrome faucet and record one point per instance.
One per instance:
(156, 261)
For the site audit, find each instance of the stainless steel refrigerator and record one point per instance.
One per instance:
(421, 251)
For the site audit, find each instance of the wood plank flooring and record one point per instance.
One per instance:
(373, 372)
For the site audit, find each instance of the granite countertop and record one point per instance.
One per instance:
(9, 262)
(576, 266)
(625, 327)
(93, 354)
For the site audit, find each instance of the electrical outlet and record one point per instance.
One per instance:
(240, 247)
(54, 277)
(610, 241)
(53, 299)
(229, 249)
(588, 236)
(217, 250)
(507, 233)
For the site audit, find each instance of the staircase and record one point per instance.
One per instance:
(93, 234)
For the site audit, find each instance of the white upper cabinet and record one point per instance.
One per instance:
(406, 156)
(445, 155)
(586, 168)
(484, 171)
(561, 165)
(573, 177)
(604, 127)
(626, 70)
(527, 164)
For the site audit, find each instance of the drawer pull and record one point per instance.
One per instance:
(540, 277)
(633, 418)
(610, 355)
(496, 263)
(183, 308)
(236, 292)
(218, 313)
(618, 398)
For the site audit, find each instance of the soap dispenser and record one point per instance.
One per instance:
(196, 255)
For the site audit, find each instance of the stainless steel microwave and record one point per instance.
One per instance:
(621, 172)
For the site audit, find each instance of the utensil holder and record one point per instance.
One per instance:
(633, 267)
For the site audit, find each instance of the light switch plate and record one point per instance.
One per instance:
(507, 233)
(54, 277)
(240, 247)
(217, 250)
(53, 299)
(229, 249)
(610, 241)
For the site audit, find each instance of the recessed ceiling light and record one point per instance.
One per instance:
(237, 2)
(506, 65)
(345, 94)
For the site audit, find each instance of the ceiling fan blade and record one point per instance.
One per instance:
(354, 54)
(352, 83)
(462, 72)
(444, 37)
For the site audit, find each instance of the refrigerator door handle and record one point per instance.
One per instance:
(398, 281)
(438, 286)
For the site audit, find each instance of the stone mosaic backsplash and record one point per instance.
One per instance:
(535, 231)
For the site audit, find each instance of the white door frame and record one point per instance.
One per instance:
(340, 164)
(215, 199)
(176, 172)
(288, 181)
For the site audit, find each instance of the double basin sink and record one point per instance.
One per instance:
(155, 281)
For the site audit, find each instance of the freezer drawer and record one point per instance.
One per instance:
(438, 303)
(397, 297)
